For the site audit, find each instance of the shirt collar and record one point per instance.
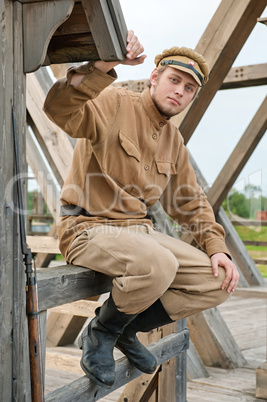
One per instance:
(153, 113)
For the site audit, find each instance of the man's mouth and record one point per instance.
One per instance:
(175, 101)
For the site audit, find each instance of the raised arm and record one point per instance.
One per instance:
(133, 58)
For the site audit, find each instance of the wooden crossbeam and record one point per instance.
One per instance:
(237, 160)
(85, 390)
(221, 42)
(80, 282)
(246, 76)
(237, 77)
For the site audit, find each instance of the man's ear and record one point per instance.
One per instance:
(154, 76)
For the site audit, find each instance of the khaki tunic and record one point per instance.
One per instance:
(126, 158)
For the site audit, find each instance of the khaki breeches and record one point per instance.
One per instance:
(147, 265)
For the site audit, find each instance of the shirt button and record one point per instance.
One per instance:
(146, 167)
(154, 136)
(161, 124)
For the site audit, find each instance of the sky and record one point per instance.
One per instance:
(163, 24)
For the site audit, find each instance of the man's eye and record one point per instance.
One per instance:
(188, 88)
(174, 80)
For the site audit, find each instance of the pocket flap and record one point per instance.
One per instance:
(166, 168)
(129, 147)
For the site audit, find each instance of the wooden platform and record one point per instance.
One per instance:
(246, 316)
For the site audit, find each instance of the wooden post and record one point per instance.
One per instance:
(14, 367)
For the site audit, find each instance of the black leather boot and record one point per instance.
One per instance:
(128, 343)
(98, 340)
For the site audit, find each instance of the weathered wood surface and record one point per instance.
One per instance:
(40, 20)
(221, 42)
(47, 184)
(261, 381)
(249, 273)
(58, 151)
(246, 319)
(245, 76)
(14, 357)
(215, 351)
(43, 244)
(67, 283)
(239, 157)
(111, 39)
(84, 389)
(237, 77)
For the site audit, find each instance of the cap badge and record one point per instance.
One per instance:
(191, 63)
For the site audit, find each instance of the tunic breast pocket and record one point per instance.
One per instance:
(165, 170)
(123, 161)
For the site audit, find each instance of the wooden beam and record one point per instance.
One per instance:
(245, 76)
(43, 244)
(221, 42)
(82, 283)
(110, 40)
(262, 20)
(47, 185)
(247, 222)
(58, 151)
(214, 351)
(249, 273)
(86, 390)
(237, 160)
(237, 77)
(40, 20)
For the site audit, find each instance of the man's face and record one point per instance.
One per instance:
(172, 90)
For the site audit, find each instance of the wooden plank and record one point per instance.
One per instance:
(81, 308)
(249, 273)
(85, 390)
(246, 76)
(52, 140)
(47, 185)
(213, 340)
(40, 20)
(261, 381)
(247, 222)
(237, 160)
(19, 332)
(63, 361)
(6, 212)
(237, 77)
(260, 261)
(62, 329)
(43, 244)
(258, 292)
(80, 282)
(167, 374)
(255, 243)
(221, 42)
(111, 39)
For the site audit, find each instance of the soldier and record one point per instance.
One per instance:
(128, 156)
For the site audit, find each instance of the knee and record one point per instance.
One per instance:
(163, 268)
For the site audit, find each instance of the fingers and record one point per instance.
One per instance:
(134, 48)
(231, 280)
(232, 276)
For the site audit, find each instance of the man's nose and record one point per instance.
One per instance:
(179, 90)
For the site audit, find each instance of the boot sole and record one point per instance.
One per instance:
(87, 373)
(144, 370)
(94, 379)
